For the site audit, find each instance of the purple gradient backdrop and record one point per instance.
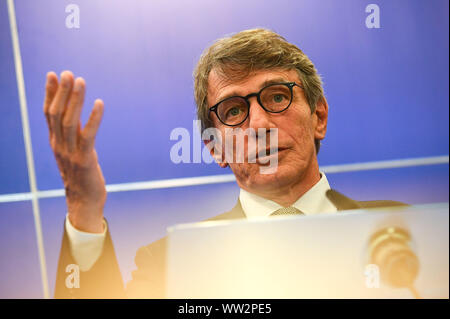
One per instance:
(387, 89)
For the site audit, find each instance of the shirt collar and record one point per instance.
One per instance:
(314, 201)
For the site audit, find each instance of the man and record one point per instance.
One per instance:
(255, 80)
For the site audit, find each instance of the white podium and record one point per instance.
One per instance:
(321, 256)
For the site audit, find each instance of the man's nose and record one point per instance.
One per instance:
(258, 117)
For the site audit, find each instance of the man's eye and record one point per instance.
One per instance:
(234, 111)
(278, 98)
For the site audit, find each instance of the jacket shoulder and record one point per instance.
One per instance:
(381, 203)
(342, 202)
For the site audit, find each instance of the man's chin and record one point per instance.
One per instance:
(261, 177)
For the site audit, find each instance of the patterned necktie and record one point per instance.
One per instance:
(287, 211)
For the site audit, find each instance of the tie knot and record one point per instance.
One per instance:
(287, 211)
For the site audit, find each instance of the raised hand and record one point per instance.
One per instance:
(73, 147)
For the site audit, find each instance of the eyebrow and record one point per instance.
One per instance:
(264, 84)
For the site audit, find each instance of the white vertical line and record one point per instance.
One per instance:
(27, 140)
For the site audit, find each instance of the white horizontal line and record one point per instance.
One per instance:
(16, 197)
(226, 178)
(169, 183)
(407, 162)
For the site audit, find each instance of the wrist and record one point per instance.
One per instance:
(86, 219)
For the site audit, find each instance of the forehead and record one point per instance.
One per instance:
(220, 87)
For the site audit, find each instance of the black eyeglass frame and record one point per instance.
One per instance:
(290, 85)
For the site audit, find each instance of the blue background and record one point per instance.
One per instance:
(387, 90)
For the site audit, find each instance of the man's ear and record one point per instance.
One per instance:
(219, 158)
(321, 119)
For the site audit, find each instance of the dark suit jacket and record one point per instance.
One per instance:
(104, 280)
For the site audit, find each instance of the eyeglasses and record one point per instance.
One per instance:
(274, 98)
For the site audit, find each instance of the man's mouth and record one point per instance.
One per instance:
(265, 154)
(270, 151)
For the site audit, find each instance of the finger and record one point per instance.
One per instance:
(87, 136)
(59, 104)
(51, 86)
(71, 117)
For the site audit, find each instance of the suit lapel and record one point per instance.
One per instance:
(236, 213)
(341, 201)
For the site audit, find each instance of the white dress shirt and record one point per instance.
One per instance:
(86, 248)
(314, 201)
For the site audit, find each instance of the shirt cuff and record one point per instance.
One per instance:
(85, 247)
